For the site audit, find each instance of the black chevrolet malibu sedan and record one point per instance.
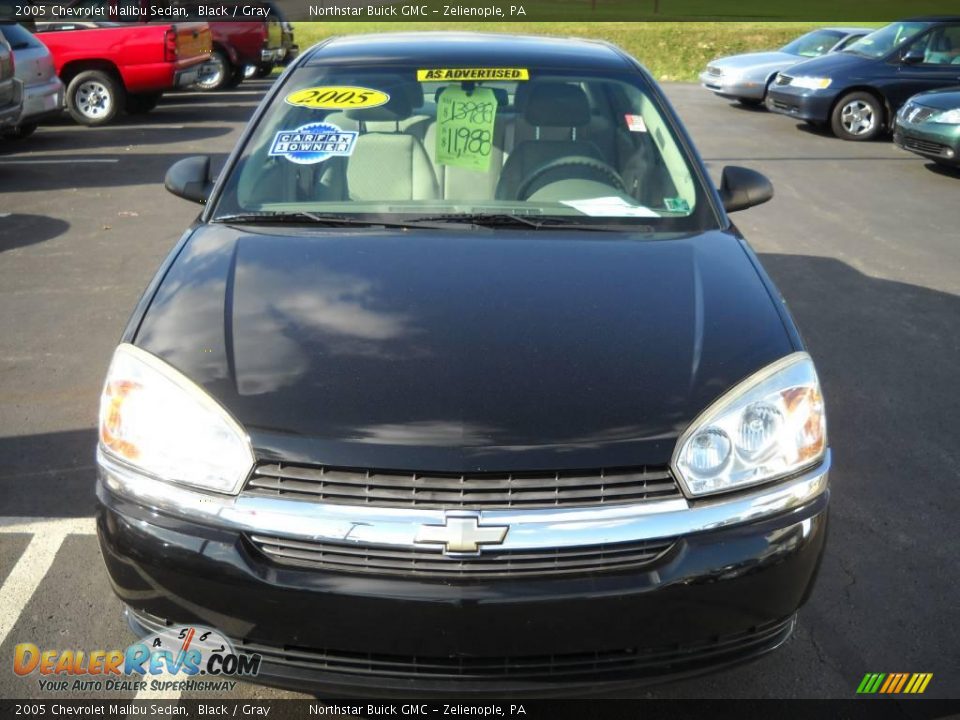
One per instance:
(464, 382)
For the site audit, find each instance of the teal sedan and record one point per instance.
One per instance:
(929, 125)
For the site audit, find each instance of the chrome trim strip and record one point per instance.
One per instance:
(529, 529)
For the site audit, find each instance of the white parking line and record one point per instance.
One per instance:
(69, 161)
(33, 564)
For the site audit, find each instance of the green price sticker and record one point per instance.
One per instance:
(465, 127)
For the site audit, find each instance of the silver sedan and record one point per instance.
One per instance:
(746, 77)
(42, 89)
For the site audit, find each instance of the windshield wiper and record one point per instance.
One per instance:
(326, 219)
(501, 220)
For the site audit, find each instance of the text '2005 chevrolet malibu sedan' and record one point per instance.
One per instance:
(464, 382)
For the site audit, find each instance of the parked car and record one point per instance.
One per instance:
(11, 88)
(928, 124)
(109, 66)
(465, 339)
(857, 91)
(746, 77)
(42, 89)
(237, 45)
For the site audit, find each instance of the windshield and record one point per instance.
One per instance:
(442, 144)
(885, 40)
(813, 44)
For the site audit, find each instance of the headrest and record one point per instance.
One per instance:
(551, 104)
(503, 97)
(398, 107)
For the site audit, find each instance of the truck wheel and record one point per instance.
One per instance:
(857, 116)
(216, 72)
(20, 131)
(264, 71)
(236, 78)
(142, 103)
(94, 97)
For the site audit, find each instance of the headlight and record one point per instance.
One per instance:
(948, 117)
(811, 83)
(769, 426)
(155, 419)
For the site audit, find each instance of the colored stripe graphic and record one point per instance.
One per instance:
(894, 683)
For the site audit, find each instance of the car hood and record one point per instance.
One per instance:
(463, 350)
(943, 99)
(774, 60)
(832, 65)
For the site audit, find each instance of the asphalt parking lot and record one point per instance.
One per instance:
(862, 239)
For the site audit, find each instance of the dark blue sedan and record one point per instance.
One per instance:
(858, 91)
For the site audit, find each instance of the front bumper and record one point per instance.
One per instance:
(803, 104)
(42, 101)
(938, 141)
(723, 594)
(739, 88)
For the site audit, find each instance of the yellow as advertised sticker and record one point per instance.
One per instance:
(337, 97)
(442, 74)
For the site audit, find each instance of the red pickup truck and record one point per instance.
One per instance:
(237, 45)
(109, 66)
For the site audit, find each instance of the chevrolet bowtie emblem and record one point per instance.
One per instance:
(462, 534)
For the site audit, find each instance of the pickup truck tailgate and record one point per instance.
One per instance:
(193, 40)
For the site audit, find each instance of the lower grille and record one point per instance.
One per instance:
(417, 562)
(924, 146)
(608, 664)
(448, 491)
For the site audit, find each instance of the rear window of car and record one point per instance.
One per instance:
(422, 141)
(19, 37)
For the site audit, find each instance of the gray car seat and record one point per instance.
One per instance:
(388, 165)
(548, 105)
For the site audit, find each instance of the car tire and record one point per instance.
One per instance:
(142, 103)
(858, 116)
(236, 78)
(20, 132)
(94, 97)
(750, 102)
(216, 73)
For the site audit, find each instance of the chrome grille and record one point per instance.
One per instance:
(346, 486)
(426, 562)
(925, 146)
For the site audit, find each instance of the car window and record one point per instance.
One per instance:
(813, 44)
(423, 142)
(847, 41)
(942, 46)
(884, 41)
(19, 37)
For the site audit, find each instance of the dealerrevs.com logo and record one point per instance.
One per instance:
(174, 658)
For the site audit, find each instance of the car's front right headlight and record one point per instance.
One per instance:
(767, 427)
(158, 421)
(947, 117)
(811, 83)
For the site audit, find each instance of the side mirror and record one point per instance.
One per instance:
(190, 178)
(913, 56)
(741, 188)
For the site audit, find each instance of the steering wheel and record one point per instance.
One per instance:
(581, 161)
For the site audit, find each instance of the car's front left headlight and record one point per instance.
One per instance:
(767, 427)
(947, 117)
(158, 421)
(811, 83)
